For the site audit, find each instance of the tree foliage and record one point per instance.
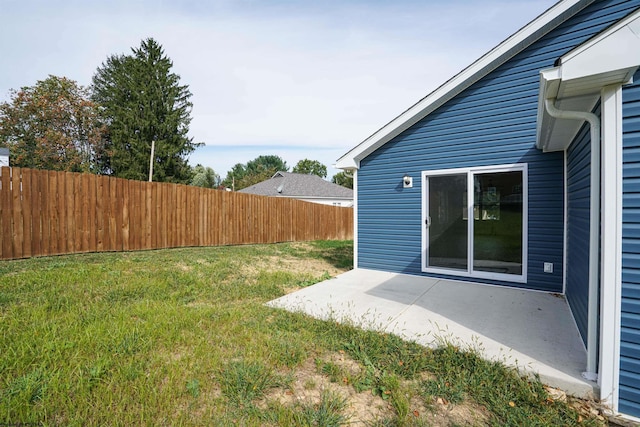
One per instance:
(257, 170)
(52, 125)
(310, 167)
(142, 101)
(205, 177)
(341, 178)
(267, 163)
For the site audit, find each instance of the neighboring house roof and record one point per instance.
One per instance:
(4, 151)
(531, 32)
(295, 185)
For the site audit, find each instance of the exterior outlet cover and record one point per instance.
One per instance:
(548, 267)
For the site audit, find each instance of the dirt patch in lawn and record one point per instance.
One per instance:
(443, 414)
(302, 246)
(183, 267)
(309, 385)
(310, 266)
(365, 408)
(308, 270)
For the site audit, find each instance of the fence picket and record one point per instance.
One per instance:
(18, 225)
(36, 221)
(117, 215)
(43, 181)
(147, 190)
(92, 212)
(77, 212)
(6, 201)
(69, 220)
(135, 228)
(61, 206)
(26, 213)
(110, 211)
(126, 243)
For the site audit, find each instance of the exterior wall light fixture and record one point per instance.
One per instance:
(407, 181)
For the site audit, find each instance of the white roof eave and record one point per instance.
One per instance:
(610, 58)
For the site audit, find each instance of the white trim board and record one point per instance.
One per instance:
(355, 219)
(611, 245)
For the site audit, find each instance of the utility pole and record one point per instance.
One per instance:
(153, 146)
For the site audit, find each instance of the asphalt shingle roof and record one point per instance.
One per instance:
(286, 184)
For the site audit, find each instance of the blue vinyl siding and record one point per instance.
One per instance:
(492, 122)
(629, 399)
(578, 221)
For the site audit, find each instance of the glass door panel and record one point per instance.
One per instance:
(497, 225)
(447, 222)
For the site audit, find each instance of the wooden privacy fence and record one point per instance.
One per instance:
(50, 213)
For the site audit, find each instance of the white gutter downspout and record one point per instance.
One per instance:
(594, 230)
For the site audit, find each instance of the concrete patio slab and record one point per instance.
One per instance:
(533, 331)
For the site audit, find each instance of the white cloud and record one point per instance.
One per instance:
(316, 75)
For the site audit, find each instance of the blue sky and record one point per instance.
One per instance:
(298, 79)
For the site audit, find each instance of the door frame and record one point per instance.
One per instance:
(470, 172)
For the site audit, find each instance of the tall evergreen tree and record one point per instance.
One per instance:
(142, 101)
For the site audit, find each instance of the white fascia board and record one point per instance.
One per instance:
(531, 32)
(347, 163)
(616, 48)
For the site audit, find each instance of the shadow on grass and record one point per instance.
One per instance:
(338, 253)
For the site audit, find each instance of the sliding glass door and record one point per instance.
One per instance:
(475, 222)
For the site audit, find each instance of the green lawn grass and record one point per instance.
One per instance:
(182, 337)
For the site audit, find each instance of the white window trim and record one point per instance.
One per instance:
(470, 273)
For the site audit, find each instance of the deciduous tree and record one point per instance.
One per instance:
(142, 101)
(310, 167)
(270, 163)
(341, 178)
(205, 177)
(52, 125)
(257, 170)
